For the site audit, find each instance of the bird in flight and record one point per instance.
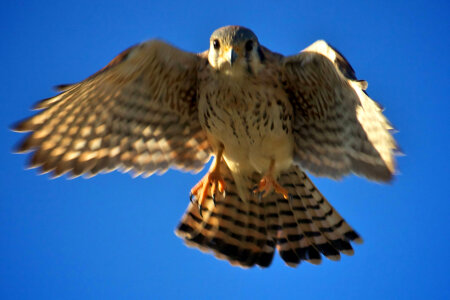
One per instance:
(264, 117)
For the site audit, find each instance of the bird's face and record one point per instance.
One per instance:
(234, 51)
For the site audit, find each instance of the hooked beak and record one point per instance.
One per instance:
(231, 56)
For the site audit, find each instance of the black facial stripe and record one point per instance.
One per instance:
(248, 60)
(261, 55)
(249, 68)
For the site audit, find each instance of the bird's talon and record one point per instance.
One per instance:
(268, 183)
(200, 210)
(210, 183)
(260, 195)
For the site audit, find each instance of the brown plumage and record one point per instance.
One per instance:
(246, 232)
(264, 117)
(136, 113)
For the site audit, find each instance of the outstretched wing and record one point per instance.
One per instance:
(337, 128)
(139, 112)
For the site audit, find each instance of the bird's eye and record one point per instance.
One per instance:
(216, 44)
(249, 46)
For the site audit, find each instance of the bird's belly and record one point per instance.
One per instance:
(252, 140)
(247, 159)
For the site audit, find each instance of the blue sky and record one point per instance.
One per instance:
(112, 236)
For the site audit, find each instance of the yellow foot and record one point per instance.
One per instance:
(267, 184)
(213, 180)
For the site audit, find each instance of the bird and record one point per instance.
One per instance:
(265, 119)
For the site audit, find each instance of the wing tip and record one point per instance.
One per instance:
(63, 87)
(24, 145)
(19, 126)
(46, 102)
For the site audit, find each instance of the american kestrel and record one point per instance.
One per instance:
(265, 117)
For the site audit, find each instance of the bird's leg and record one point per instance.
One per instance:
(213, 178)
(268, 183)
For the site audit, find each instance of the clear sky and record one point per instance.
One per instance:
(111, 237)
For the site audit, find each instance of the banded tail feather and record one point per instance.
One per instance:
(246, 233)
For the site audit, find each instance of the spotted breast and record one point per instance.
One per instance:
(247, 116)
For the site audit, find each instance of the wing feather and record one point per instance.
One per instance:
(138, 113)
(337, 127)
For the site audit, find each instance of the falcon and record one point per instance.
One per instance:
(265, 119)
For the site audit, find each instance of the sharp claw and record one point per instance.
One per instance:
(255, 189)
(260, 195)
(200, 210)
(191, 197)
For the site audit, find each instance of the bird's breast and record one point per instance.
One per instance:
(251, 120)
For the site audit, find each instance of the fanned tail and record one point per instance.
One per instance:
(308, 225)
(233, 229)
(246, 232)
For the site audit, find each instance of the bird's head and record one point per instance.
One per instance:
(235, 50)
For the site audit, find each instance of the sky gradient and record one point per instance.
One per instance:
(111, 237)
